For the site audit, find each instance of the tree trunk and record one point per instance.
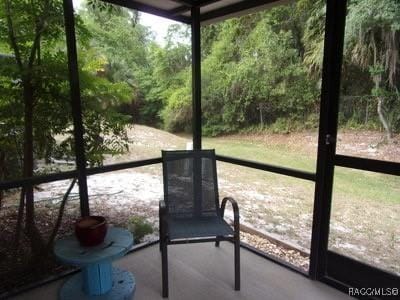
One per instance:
(60, 216)
(377, 80)
(260, 107)
(366, 113)
(383, 120)
(31, 230)
(2, 174)
(20, 218)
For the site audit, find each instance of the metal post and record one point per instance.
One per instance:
(330, 92)
(196, 78)
(76, 105)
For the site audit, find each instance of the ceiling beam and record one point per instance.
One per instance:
(183, 9)
(149, 9)
(236, 8)
(188, 3)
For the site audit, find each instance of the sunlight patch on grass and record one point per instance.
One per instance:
(279, 155)
(351, 184)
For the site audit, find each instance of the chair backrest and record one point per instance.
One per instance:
(190, 183)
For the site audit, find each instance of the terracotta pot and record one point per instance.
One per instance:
(91, 231)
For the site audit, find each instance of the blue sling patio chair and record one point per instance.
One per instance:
(190, 211)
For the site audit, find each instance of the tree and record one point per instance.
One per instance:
(26, 24)
(171, 87)
(36, 95)
(124, 46)
(115, 37)
(373, 42)
(314, 33)
(254, 73)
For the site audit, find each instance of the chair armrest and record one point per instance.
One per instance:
(162, 207)
(162, 213)
(162, 219)
(235, 211)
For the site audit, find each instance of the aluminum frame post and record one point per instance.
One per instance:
(76, 105)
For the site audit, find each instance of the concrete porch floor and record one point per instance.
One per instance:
(202, 271)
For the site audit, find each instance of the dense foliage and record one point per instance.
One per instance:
(35, 101)
(260, 71)
(263, 71)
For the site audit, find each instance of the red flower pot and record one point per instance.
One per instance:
(91, 231)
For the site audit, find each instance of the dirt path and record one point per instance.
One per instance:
(147, 142)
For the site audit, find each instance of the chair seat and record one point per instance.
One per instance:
(182, 228)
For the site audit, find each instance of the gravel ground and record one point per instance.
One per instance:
(121, 195)
(289, 255)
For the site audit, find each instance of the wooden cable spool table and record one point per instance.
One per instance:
(97, 279)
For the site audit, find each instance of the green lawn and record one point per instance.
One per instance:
(367, 186)
(280, 155)
(365, 212)
(350, 184)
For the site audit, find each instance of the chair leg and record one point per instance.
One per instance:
(164, 267)
(237, 262)
(160, 229)
(217, 242)
(160, 234)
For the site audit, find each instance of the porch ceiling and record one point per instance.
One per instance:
(211, 11)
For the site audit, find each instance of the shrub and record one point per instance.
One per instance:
(139, 228)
